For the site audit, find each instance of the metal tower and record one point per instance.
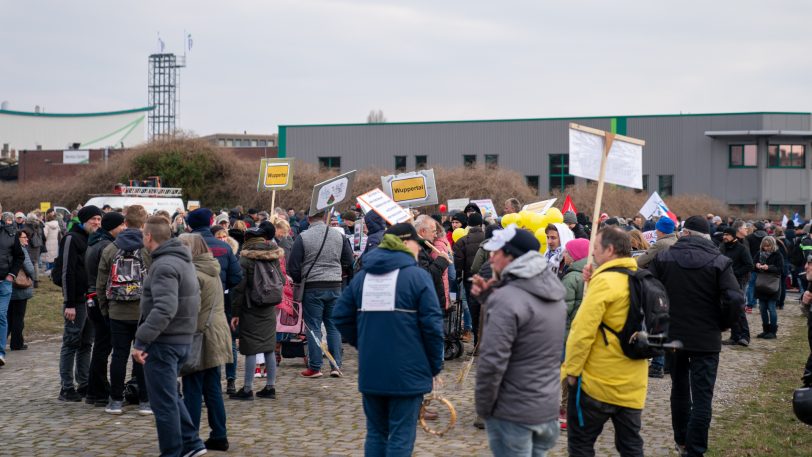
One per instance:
(164, 84)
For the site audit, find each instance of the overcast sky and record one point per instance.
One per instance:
(257, 64)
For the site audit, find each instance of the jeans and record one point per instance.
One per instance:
(97, 384)
(77, 342)
(5, 298)
(177, 434)
(581, 440)
(122, 335)
(16, 323)
(318, 307)
(391, 425)
(740, 330)
(205, 385)
(768, 314)
(693, 376)
(474, 308)
(751, 290)
(466, 312)
(658, 362)
(508, 439)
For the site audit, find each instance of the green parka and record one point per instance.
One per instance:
(217, 337)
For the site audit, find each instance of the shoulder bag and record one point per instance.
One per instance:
(194, 361)
(767, 283)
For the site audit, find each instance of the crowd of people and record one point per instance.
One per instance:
(181, 295)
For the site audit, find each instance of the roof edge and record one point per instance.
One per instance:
(635, 116)
(106, 113)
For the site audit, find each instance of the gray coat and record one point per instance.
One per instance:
(518, 372)
(28, 267)
(170, 300)
(257, 324)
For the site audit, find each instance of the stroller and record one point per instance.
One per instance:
(290, 330)
(452, 324)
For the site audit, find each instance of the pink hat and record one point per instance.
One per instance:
(578, 248)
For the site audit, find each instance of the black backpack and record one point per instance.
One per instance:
(648, 312)
(56, 271)
(267, 285)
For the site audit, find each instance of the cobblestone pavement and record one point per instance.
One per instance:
(311, 417)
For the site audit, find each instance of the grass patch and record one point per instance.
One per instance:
(763, 424)
(43, 316)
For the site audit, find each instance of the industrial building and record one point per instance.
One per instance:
(755, 162)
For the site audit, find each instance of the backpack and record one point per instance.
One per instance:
(127, 273)
(56, 271)
(648, 311)
(267, 284)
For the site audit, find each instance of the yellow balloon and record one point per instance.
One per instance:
(508, 219)
(541, 235)
(536, 222)
(458, 233)
(525, 216)
(554, 216)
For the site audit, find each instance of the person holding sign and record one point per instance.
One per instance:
(391, 314)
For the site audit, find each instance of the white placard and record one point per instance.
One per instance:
(486, 206)
(654, 206)
(624, 164)
(540, 207)
(457, 204)
(382, 204)
(331, 192)
(650, 237)
(379, 292)
(75, 156)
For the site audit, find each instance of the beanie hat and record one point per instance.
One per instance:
(475, 220)
(198, 218)
(254, 232)
(666, 225)
(513, 241)
(570, 218)
(729, 231)
(471, 207)
(268, 229)
(577, 248)
(697, 224)
(611, 221)
(759, 225)
(88, 212)
(223, 217)
(112, 220)
(462, 218)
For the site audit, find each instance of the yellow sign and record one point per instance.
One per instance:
(44, 206)
(276, 174)
(409, 189)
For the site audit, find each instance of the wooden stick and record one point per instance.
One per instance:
(273, 201)
(610, 138)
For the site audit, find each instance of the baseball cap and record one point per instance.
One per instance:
(404, 231)
(513, 241)
(19, 214)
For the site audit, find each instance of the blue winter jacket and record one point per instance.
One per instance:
(400, 351)
(230, 271)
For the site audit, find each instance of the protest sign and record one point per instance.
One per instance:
(486, 207)
(540, 207)
(412, 189)
(656, 207)
(275, 174)
(331, 192)
(192, 205)
(457, 204)
(650, 237)
(625, 167)
(44, 206)
(377, 200)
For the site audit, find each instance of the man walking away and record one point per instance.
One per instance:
(170, 302)
(603, 383)
(742, 264)
(11, 260)
(704, 299)
(518, 373)
(391, 314)
(77, 337)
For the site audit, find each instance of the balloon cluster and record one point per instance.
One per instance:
(535, 222)
(459, 233)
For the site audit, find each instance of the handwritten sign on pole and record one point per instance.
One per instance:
(331, 192)
(624, 165)
(378, 201)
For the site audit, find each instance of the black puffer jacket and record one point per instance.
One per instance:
(754, 242)
(11, 252)
(704, 294)
(436, 268)
(740, 257)
(465, 250)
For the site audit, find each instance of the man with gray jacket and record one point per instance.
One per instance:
(170, 302)
(518, 386)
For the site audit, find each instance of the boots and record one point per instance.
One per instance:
(773, 330)
(766, 330)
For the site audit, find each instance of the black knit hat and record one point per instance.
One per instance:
(88, 212)
(475, 219)
(462, 218)
(112, 220)
(697, 224)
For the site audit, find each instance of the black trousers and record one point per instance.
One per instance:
(16, 323)
(741, 329)
(97, 384)
(122, 336)
(581, 440)
(474, 307)
(807, 379)
(693, 376)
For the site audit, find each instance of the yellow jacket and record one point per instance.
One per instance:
(606, 374)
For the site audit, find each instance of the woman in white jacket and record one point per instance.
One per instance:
(52, 235)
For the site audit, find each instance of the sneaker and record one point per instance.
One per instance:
(196, 452)
(114, 407)
(217, 444)
(69, 395)
(242, 394)
(82, 390)
(267, 392)
(743, 342)
(748, 309)
(655, 372)
(769, 336)
(729, 342)
(467, 337)
(681, 449)
(562, 420)
(335, 374)
(479, 423)
(144, 409)
(2, 360)
(231, 387)
(258, 372)
(309, 373)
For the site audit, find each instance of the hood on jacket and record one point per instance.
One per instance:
(693, 252)
(529, 272)
(760, 234)
(258, 249)
(174, 248)
(99, 235)
(207, 264)
(577, 266)
(374, 222)
(565, 235)
(380, 261)
(130, 240)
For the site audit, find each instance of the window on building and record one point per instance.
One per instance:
(400, 163)
(786, 156)
(253, 143)
(743, 156)
(666, 185)
(330, 163)
(491, 160)
(533, 182)
(229, 143)
(779, 210)
(469, 160)
(262, 143)
(559, 172)
(740, 210)
(221, 142)
(421, 162)
(645, 183)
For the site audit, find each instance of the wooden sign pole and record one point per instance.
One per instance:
(609, 138)
(273, 201)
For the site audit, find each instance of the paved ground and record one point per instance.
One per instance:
(311, 417)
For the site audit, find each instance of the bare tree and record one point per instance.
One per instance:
(376, 117)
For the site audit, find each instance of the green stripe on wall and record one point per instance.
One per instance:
(283, 142)
(613, 125)
(620, 125)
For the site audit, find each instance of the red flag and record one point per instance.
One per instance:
(568, 206)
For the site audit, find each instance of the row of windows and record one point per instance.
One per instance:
(229, 143)
(778, 156)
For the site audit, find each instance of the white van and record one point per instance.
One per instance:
(151, 198)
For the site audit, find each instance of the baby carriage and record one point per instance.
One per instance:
(452, 324)
(290, 332)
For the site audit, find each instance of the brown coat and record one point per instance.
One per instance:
(217, 337)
